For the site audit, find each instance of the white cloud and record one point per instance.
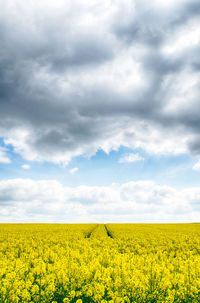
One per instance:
(73, 170)
(3, 157)
(25, 200)
(26, 166)
(128, 158)
(197, 166)
(186, 37)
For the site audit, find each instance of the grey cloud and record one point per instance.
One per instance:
(194, 145)
(189, 9)
(67, 82)
(86, 51)
(152, 23)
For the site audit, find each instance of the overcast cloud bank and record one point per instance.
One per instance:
(73, 79)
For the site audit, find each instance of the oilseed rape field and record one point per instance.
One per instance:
(99, 263)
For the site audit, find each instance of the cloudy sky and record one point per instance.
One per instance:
(100, 111)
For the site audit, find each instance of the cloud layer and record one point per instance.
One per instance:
(25, 200)
(73, 79)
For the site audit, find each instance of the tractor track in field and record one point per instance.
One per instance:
(108, 232)
(90, 233)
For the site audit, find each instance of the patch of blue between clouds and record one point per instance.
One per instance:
(104, 169)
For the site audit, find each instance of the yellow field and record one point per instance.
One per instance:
(99, 263)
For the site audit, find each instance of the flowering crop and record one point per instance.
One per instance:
(62, 263)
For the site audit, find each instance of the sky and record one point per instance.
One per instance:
(100, 111)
